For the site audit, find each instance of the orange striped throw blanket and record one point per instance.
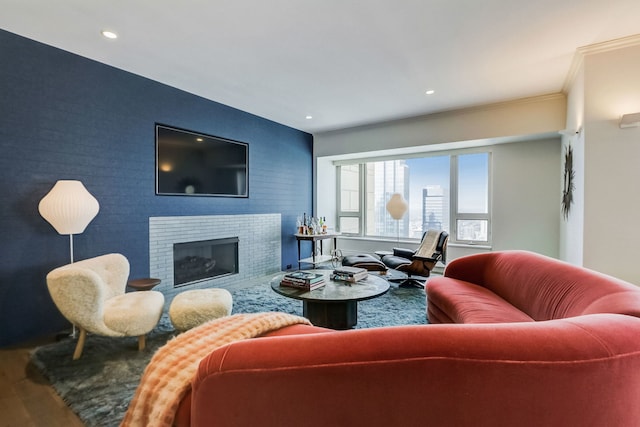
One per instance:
(167, 378)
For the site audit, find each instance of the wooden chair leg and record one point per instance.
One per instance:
(141, 342)
(80, 345)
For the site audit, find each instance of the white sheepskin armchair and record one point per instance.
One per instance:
(91, 295)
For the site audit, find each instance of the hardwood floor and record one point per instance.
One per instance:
(26, 397)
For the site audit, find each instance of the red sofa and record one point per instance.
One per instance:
(521, 286)
(578, 371)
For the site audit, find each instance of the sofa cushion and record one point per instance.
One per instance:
(458, 301)
(134, 313)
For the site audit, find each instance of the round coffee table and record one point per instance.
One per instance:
(335, 305)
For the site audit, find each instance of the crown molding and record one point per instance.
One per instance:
(620, 43)
(593, 49)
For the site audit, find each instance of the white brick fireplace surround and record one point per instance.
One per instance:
(259, 246)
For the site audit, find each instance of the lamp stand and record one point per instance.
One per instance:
(71, 247)
(73, 330)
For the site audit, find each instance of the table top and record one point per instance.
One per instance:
(334, 290)
(143, 284)
(315, 236)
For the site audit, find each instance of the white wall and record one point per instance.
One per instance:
(526, 196)
(612, 163)
(325, 193)
(571, 228)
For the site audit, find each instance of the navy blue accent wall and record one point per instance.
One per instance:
(63, 116)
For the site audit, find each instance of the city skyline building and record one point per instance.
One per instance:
(383, 179)
(435, 208)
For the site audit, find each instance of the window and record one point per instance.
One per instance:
(444, 192)
(349, 203)
(472, 218)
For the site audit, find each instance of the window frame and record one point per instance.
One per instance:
(454, 215)
(453, 202)
(361, 199)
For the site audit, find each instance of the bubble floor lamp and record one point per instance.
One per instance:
(397, 206)
(69, 208)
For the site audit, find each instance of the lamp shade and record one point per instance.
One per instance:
(68, 207)
(397, 206)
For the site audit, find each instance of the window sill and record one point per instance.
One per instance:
(471, 245)
(405, 241)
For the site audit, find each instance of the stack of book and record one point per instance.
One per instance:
(349, 274)
(303, 280)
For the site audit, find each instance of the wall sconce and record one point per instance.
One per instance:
(630, 121)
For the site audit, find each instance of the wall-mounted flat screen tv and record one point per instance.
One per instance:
(195, 164)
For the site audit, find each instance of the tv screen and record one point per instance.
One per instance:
(195, 164)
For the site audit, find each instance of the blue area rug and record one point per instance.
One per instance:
(100, 385)
(399, 306)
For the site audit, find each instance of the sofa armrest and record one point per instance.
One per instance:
(471, 268)
(80, 294)
(434, 258)
(539, 373)
(403, 252)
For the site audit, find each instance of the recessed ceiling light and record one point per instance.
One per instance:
(308, 117)
(430, 92)
(109, 34)
(199, 139)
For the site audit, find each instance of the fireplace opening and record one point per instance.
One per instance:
(202, 260)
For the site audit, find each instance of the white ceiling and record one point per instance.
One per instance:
(344, 62)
